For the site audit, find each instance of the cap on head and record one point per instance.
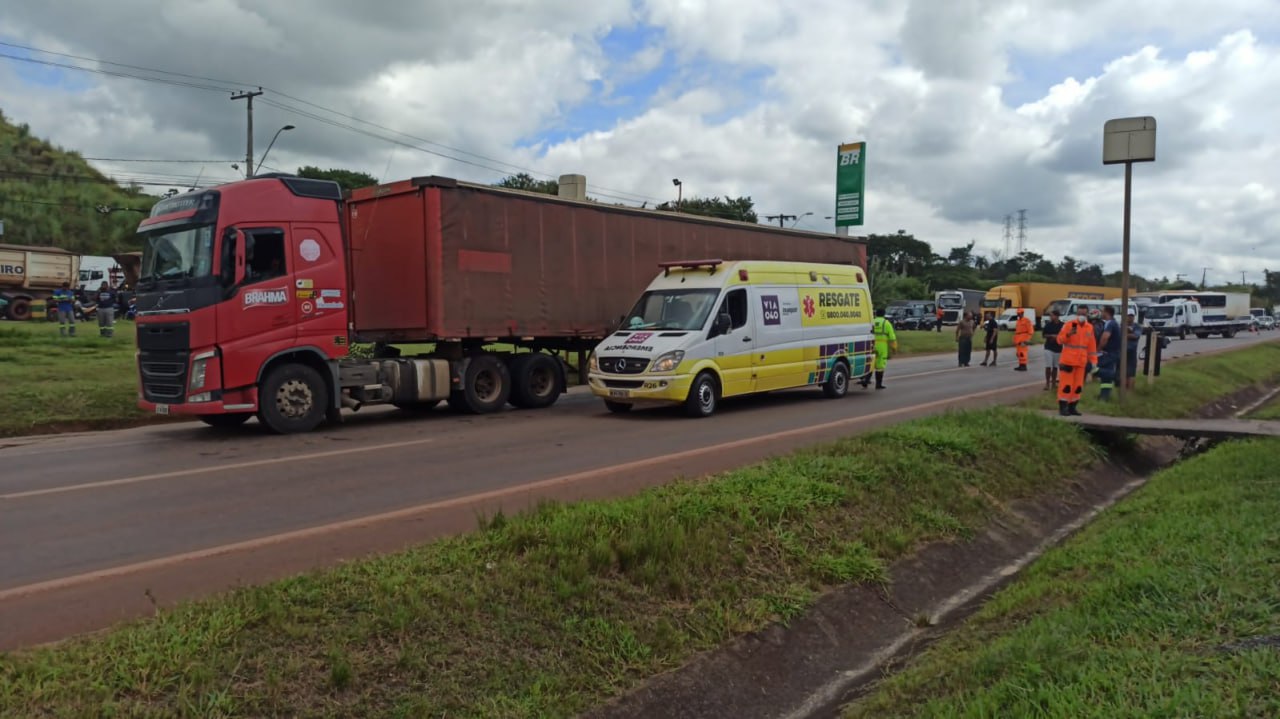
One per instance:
(880, 312)
(1021, 311)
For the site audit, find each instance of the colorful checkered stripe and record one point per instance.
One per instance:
(860, 353)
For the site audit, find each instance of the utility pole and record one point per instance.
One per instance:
(1008, 236)
(1022, 231)
(1204, 276)
(248, 151)
(781, 218)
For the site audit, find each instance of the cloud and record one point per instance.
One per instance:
(736, 98)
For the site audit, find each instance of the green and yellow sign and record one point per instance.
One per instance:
(851, 159)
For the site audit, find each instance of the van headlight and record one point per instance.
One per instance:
(594, 363)
(668, 362)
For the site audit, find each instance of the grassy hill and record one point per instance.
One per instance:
(49, 196)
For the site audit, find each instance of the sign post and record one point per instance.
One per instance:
(1126, 141)
(851, 159)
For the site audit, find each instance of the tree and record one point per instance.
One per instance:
(962, 256)
(888, 286)
(347, 179)
(742, 209)
(901, 253)
(525, 181)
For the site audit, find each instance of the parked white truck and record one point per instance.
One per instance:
(1201, 314)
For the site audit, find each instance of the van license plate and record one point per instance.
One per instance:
(619, 393)
(162, 409)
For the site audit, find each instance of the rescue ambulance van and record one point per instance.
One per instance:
(709, 329)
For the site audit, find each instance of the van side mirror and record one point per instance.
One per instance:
(722, 325)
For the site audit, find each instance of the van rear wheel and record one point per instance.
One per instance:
(837, 384)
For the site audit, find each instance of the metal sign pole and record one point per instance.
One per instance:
(1123, 371)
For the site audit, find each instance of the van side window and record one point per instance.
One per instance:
(735, 305)
(264, 254)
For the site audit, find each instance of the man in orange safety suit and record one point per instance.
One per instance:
(1023, 331)
(1079, 347)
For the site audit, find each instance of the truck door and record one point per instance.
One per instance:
(734, 349)
(258, 316)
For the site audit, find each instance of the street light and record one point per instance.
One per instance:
(273, 141)
(679, 192)
(801, 217)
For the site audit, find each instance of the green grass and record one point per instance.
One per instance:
(1183, 386)
(82, 382)
(1147, 612)
(913, 342)
(552, 612)
(1270, 411)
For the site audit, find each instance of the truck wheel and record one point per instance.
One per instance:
(1228, 334)
(486, 386)
(294, 398)
(704, 395)
(1202, 335)
(225, 421)
(837, 384)
(535, 381)
(1182, 333)
(617, 407)
(19, 310)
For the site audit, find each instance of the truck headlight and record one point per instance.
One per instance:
(199, 370)
(668, 362)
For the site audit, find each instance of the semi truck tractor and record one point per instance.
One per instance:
(29, 274)
(954, 303)
(250, 295)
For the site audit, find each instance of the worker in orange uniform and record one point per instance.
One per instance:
(1079, 348)
(1023, 331)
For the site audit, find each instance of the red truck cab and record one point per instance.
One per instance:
(235, 283)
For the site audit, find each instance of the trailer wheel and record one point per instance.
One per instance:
(486, 386)
(294, 398)
(535, 381)
(617, 407)
(225, 421)
(837, 384)
(704, 395)
(19, 310)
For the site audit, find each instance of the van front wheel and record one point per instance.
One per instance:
(837, 384)
(704, 395)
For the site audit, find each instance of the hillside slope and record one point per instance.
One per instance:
(49, 196)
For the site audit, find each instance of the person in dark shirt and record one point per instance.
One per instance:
(1108, 353)
(106, 298)
(66, 301)
(964, 339)
(992, 339)
(1052, 349)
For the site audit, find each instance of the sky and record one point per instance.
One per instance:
(971, 109)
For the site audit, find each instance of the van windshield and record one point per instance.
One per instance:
(672, 310)
(1160, 312)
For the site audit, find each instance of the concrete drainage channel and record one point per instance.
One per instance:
(858, 634)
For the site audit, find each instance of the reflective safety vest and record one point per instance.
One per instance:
(1079, 346)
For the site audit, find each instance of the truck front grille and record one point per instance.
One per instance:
(164, 376)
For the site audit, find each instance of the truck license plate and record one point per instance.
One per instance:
(619, 393)
(162, 409)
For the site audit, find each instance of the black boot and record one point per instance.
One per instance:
(1071, 410)
(1062, 408)
(879, 380)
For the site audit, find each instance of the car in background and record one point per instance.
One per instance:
(1266, 322)
(910, 317)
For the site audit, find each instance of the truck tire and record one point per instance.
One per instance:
(1202, 335)
(416, 406)
(19, 309)
(293, 398)
(617, 407)
(486, 386)
(837, 384)
(1228, 334)
(535, 380)
(225, 421)
(1182, 333)
(704, 395)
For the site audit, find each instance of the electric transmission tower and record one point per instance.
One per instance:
(1022, 231)
(1008, 236)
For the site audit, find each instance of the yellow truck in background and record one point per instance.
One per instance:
(29, 275)
(1039, 296)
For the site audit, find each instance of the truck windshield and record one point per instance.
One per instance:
(950, 302)
(672, 310)
(1159, 312)
(993, 303)
(177, 254)
(1061, 306)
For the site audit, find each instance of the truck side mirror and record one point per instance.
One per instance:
(231, 266)
(722, 325)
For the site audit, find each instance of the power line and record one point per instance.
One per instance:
(230, 85)
(141, 159)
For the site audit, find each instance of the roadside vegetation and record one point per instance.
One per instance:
(57, 384)
(551, 612)
(919, 342)
(1165, 606)
(1183, 386)
(1269, 411)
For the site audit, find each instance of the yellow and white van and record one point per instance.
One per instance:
(709, 329)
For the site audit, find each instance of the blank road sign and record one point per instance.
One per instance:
(1129, 139)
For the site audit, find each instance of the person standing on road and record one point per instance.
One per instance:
(1078, 348)
(1052, 350)
(964, 339)
(1023, 331)
(885, 336)
(938, 319)
(1108, 353)
(106, 311)
(66, 301)
(992, 340)
(1135, 340)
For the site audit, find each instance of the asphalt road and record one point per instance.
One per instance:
(97, 527)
